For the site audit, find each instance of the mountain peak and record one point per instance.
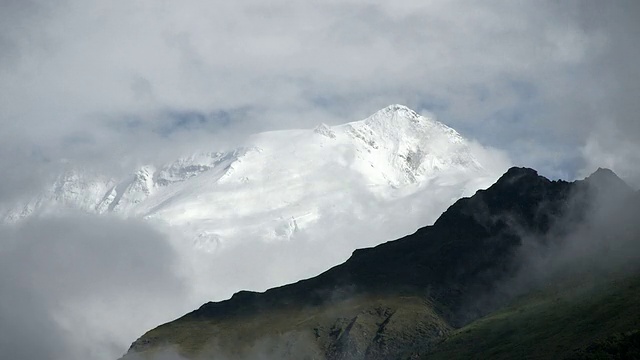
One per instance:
(516, 173)
(397, 118)
(603, 173)
(325, 130)
(398, 109)
(606, 178)
(521, 178)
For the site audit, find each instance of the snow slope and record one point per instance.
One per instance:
(280, 185)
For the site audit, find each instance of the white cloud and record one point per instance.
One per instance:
(613, 151)
(295, 64)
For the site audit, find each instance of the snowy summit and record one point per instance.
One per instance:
(283, 184)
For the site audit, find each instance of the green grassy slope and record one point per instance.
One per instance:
(552, 324)
(360, 326)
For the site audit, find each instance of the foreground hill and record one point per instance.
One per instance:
(403, 298)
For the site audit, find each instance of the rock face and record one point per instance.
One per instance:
(389, 300)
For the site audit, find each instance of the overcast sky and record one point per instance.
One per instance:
(553, 83)
(112, 85)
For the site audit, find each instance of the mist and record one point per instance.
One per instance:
(595, 239)
(80, 287)
(606, 239)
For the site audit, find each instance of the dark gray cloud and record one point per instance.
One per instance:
(81, 287)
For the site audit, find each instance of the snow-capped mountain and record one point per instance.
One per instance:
(286, 184)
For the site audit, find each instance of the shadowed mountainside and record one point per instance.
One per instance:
(408, 294)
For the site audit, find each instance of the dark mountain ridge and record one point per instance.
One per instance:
(473, 248)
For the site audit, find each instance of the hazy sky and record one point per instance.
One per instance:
(115, 84)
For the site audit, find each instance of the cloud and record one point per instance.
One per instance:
(594, 239)
(501, 72)
(604, 240)
(81, 287)
(612, 149)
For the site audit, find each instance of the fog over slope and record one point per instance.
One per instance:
(596, 238)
